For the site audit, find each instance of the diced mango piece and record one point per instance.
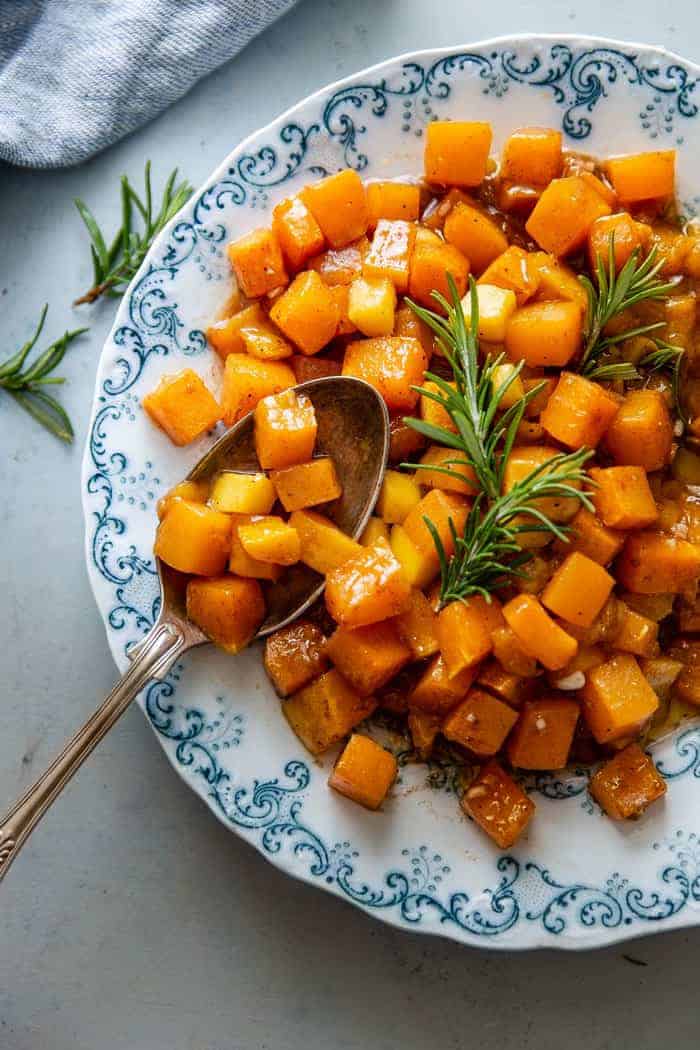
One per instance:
(626, 234)
(446, 469)
(652, 563)
(544, 334)
(476, 235)
(511, 655)
(228, 609)
(617, 699)
(392, 200)
(393, 365)
(419, 566)
(367, 588)
(643, 176)
(464, 631)
(399, 494)
(372, 305)
(339, 266)
(456, 152)
(194, 491)
(306, 484)
(627, 784)
(431, 261)
(537, 632)
(532, 156)
(423, 728)
(307, 312)
(544, 734)
(578, 412)
(194, 538)
(294, 656)
(557, 280)
(480, 723)
(325, 711)
(285, 430)
(257, 261)
(498, 805)
(589, 536)
(243, 564)
(496, 306)
(441, 507)
(247, 380)
(578, 590)
(436, 692)
(641, 433)
(324, 546)
(563, 215)
(297, 232)
(339, 206)
(368, 657)
(390, 253)
(622, 497)
(637, 634)
(182, 406)
(514, 269)
(417, 626)
(364, 772)
(235, 493)
(270, 539)
(374, 530)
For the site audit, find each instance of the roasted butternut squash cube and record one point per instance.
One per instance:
(247, 380)
(423, 728)
(228, 609)
(506, 686)
(589, 536)
(456, 152)
(564, 214)
(399, 494)
(419, 566)
(446, 469)
(270, 539)
(261, 339)
(364, 772)
(617, 699)
(194, 491)
(515, 269)
(622, 497)
(578, 590)
(498, 805)
(243, 564)
(182, 406)
(495, 307)
(686, 686)
(407, 323)
(367, 588)
(514, 391)
(294, 656)
(226, 335)
(532, 156)
(432, 259)
(475, 234)
(480, 723)
(235, 493)
(306, 368)
(641, 433)
(557, 280)
(297, 232)
(538, 633)
(257, 262)
(511, 655)
(544, 733)
(307, 312)
(627, 784)
(307, 484)
(438, 209)
(339, 266)
(372, 305)
(599, 186)
(643, 176)
(194, 538)
(637, 634)
(464, 631)
(339, 206)
(442, 508)
(436, 692)
(393, 365)
(432, 410)
(544, 334)
(417, 626)
(325, 711)
(578, 412)
(652, 563)
(392, 200)
(374, 530)
(627, 237)
(368, 657)
(285, 430)
(324, 546)
(521, 464)
(404, 441)
(390, 253)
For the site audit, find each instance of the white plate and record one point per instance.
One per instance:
(576, 879)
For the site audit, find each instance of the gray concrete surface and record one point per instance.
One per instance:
(133, 920)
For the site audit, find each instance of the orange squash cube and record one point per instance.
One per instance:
(456, 152)
(544, 734)
(436, 692)
(506, 686)
(306, 368)
(325, 711)
(241, 563)
(393, 365)
(441, 507)
(225, 335)
(192, 538)
(544, 334)
(564, 214)
(261, 339)
(364, 772)
(557, 280)
(537, 632)
(579, 411)
(464, 631)
(307, 484)
(372, 305)
(589, 536)
(182, 406)
(617, 699)
(643, 176)
(248, 380)
(228, 609)
(341, 296)
(652, 563)
(475, 234)
(368, 657)
(257, 262)
(270, 539)
(324, 546)
(339, 266)
(392, 200)
(432, 411)
(629, 236)
(339, 206)
(627, 784)
(417, 626)
(511, 655)
(641, 433)
(407, 323)
(307, 312)
(431, 261)
(578, 590)
(637, 634)
(390, 252)
(498, 805)
(480, 723)
(285, 430)
(297, 232)
(446, 469)
(294, 656)
(532, 156)
(622, 497)
(599, 186)
(367, 588)
(521, 463)
(194, 491)
(419, 566)
(516, 271)
(423, 728)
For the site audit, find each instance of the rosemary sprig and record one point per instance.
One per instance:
(114, 264)
(668, 358)
(28, 385)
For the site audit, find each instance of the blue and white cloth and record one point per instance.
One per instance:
(77, 75)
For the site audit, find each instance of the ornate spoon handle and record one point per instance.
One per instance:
(153, 658)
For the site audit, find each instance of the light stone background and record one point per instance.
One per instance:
(134, 920)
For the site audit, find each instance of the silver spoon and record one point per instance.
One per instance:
(353, 428)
